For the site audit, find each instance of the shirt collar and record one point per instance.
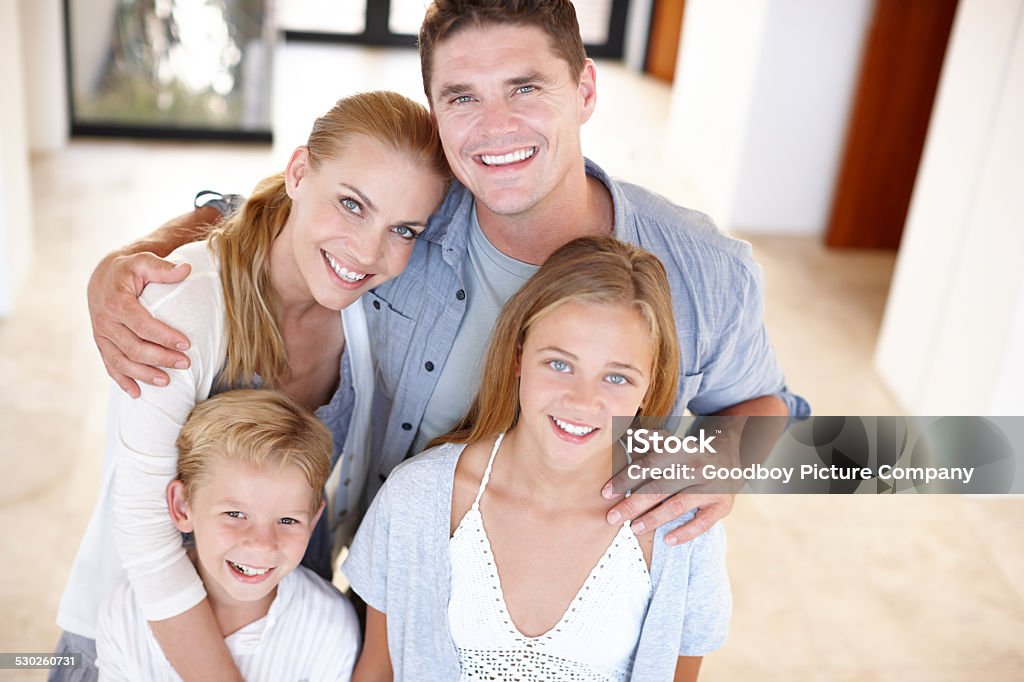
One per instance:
(625, 226)
(247, 639)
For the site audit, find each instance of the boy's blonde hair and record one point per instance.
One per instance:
(260, 427)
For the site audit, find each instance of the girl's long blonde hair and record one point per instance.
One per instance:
(599, 270)
(255, 343)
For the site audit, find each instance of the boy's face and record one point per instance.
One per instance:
(251, 528)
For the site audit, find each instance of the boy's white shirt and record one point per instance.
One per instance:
(310, 634)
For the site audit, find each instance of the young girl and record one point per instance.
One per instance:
(489, 557)
(261, 308)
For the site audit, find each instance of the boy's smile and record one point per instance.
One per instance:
(251, 529)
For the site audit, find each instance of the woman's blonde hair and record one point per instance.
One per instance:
(259, 427)
(599, 270)
(255, 343)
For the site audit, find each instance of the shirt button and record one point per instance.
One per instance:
(376, 305)
(407, 426)
(429, 366)
(460, 294)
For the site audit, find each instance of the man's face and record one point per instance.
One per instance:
(509, 114)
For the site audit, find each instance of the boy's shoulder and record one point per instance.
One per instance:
(318, 603)
(312, 628)
(306, 585)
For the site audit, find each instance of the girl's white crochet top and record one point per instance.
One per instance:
(595, 638)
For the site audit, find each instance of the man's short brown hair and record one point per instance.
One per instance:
(557, 18)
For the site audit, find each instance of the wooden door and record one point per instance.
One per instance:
(900, 70)
(663, 42)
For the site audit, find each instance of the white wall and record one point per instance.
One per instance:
(760, 106)
(15, 200)
(1008, 394)
(953, 329)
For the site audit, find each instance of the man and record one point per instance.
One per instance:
(510, 85)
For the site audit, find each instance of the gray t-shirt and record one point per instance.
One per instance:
(489, 278)
(399, 565)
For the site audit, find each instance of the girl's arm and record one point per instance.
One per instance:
(374, 664)
(687, 668)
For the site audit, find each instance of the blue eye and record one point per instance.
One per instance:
(617, 379)
(405, 232)
(461, 99)
(559, 365)
(525, 89)
(351, 205)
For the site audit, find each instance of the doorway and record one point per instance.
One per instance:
(903, 55)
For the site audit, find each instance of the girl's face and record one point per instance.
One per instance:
(354, 219)
(582, 364)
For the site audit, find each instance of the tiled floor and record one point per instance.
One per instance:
(826, 588)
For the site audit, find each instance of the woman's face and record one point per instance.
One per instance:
(581, 365)
(354, 219)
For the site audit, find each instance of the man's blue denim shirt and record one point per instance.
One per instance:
(717, 295)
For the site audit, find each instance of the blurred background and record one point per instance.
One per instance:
(872, 151)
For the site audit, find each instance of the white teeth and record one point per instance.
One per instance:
(248, 570)
(573, 429)
(344, 273)
(511, 157)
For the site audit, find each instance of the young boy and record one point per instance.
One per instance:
(252, 465)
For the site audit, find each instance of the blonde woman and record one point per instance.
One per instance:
(260, 307)
(489, 556)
